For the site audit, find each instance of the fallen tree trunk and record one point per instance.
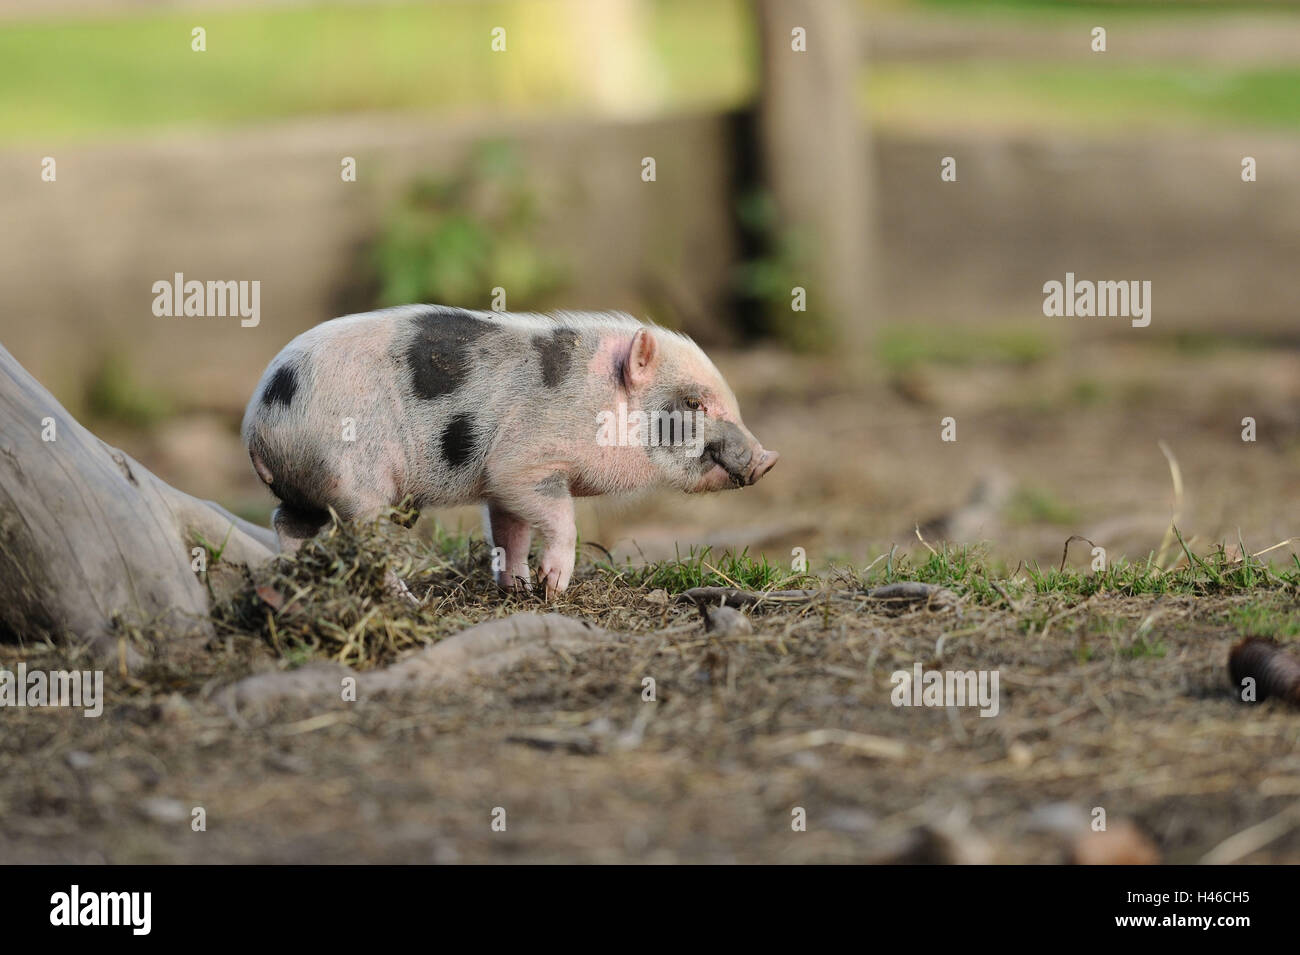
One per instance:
(93, 544)
(482, 651)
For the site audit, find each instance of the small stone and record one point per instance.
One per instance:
(725, 621)
(162, 809)
(78, 759)
(289, 763)
(1063, 818)
(1019, 755)
(174, 709)
(847, 819)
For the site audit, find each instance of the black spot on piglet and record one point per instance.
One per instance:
(459, 440)
(282, 386)
(438, 351)
(556, 351)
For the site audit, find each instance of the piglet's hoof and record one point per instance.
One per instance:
(555, 580)
(515, 585)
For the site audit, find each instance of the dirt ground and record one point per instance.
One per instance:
(711, 772)
(1118, 702)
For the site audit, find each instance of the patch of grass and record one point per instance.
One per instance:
(901, 348)
(701, 568)
(949, 566)
(331, 598)
(214, 551)
(966, 570)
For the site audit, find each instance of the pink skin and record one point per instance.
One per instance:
(516, 509)
(616, 468)
(515, 536)
(523, 497)
(629, 468)
(719, 403)
(517, 504)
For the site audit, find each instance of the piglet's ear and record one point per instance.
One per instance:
(642, 357)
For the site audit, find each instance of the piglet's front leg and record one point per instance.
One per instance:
(548, 507)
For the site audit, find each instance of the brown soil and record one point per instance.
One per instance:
(1116, 702)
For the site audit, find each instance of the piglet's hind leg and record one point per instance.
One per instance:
(513, 535)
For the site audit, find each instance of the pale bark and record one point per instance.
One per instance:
(90, 540)
(480, 652)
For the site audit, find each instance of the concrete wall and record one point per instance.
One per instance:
(1220, 253)
(78, 257)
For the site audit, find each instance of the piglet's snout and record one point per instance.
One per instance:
(763, 462)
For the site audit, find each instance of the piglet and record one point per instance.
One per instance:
(521, 412)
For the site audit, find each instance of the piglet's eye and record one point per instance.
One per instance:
(694, 404)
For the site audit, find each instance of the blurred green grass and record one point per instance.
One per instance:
(76, 78)
(1082, 95)
(1069, 8)
(901, 347)
(63, 79)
